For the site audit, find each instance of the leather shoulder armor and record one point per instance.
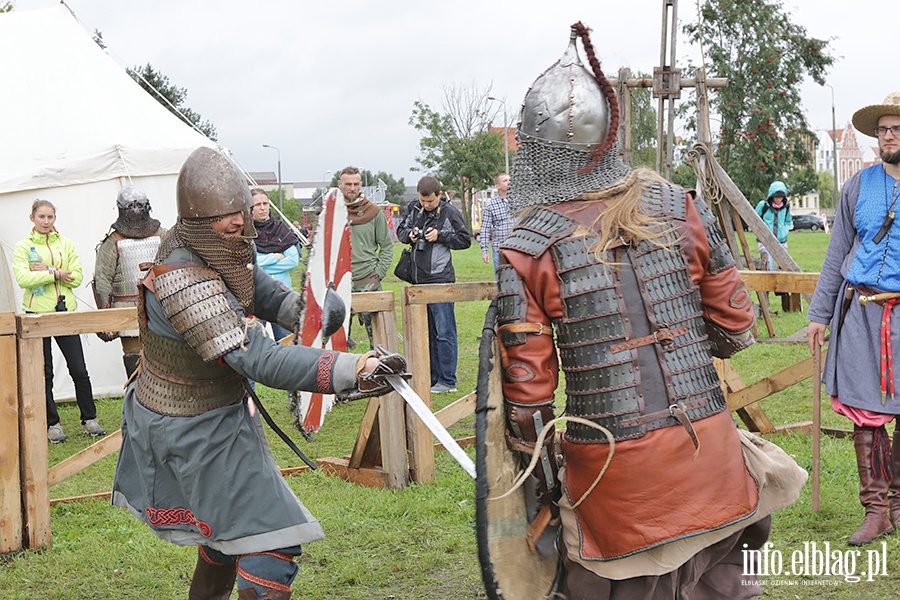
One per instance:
(537, 231)
(194, 300)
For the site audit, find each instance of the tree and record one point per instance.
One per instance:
(456, 146)
(765, 56)
(643, 127)
(171, 96)
(6, 6)
(826, 189)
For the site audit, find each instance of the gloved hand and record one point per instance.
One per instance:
(107, 336)
(370, 380)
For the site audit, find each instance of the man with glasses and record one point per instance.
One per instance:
(858, 287)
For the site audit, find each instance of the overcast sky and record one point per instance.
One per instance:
(333, 83)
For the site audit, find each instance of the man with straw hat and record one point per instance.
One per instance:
(857, 290)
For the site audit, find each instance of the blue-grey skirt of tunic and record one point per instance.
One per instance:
(852, 369)
(208, 479)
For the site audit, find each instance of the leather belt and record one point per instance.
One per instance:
(661, 414)
(535, 328)
(663, 336)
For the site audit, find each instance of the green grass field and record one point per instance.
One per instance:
(419, 542)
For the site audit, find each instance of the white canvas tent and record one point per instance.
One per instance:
(74, 129)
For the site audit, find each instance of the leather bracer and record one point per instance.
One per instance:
(524, 424)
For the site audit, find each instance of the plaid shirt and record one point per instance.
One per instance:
(495, 223)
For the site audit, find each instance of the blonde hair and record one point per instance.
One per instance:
(39, 203)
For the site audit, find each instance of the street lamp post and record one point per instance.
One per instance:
(280, 190)
(834, 143)
(505, 138)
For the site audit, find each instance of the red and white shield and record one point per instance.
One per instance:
(328, 268)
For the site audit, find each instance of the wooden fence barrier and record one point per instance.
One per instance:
(393, 446)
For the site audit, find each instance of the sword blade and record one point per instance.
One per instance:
(421, 409)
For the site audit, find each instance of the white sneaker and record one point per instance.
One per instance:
(55, 434)
(92, 428)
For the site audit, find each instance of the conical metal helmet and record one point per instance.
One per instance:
(565, 120)
(565, 105)
(210, 185)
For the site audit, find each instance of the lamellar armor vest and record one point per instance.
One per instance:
(132, 252)
(631, 370)
(184, 378)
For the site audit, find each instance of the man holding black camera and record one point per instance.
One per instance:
(434, 227)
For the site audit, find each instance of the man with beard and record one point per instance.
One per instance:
(627, 281)
(858, 287)
(133, 239)
(370, 240)
(194, 463)
(276, 247)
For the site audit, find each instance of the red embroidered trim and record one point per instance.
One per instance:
(176, 516)
(266, 583)
(323, 372)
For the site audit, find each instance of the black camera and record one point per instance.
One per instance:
(419, 234)
(61, 304)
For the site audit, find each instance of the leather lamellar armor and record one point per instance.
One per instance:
(616, 318)
(184, 378)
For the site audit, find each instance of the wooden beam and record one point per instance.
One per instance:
(450, 292)
(69, 323)
(780, 281)
(10, 482)
(771, 384)
(458, 410)
(372, 302)
(753, 415)
(365, 431)
(339, 467)
(713, 82)
(85, 458)
(463, 443)
(33, 443)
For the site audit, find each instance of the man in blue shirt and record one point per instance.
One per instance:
(857, 290)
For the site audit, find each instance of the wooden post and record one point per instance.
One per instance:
(624, 93)
(33, 442)
(391, 426)
(10, 482)
(415, 342)
(817, 429)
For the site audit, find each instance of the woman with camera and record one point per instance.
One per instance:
(47, 267)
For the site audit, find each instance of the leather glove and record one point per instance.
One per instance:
(107, 336)
(372, 383)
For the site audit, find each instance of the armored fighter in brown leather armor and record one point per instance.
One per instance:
(637, 282)
(194, 463)
(133, 239)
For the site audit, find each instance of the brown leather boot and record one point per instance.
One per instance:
(250, 594)
(873, 488)
(212, 581)
(894, 489)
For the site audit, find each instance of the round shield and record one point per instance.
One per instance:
(327, 293)
(510, 570)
